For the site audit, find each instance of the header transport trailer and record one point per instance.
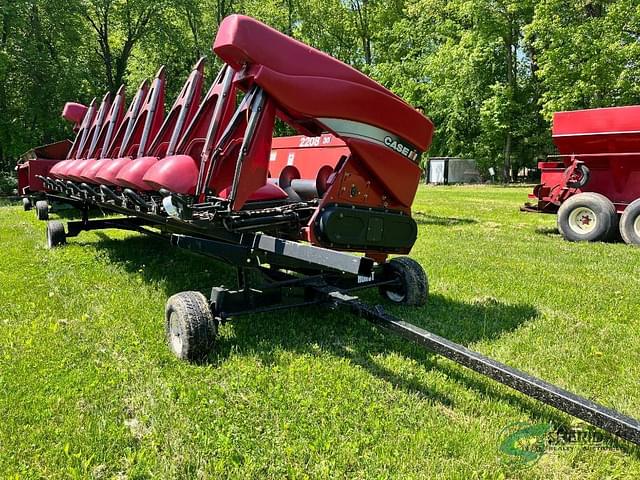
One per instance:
(593, 185)
(200, 178)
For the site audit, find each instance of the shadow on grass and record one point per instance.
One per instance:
(65, 211)
(263, 334)
(550, 232)
(156, 261)
(341, 334)
(553, 233)
(337, 332)
(426, 219)
(179, 270)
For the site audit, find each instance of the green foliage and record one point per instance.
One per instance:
(43, 63)
(490, 73)
(8, 183)
(589, 53)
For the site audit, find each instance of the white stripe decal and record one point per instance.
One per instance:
(363, 131)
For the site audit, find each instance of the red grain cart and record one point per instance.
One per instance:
(594, 183)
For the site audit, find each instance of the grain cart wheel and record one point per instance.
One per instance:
(587, 217)
(42, 210)
(26, 204)
(580, 177)
(190, 326)
(55, 234)
(630, 223)
(413, 285)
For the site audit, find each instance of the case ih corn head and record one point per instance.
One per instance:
(201, 178)
(594, 184)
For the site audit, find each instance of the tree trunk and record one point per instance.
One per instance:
(506, 172)
(194, 31)
(362, 23)
(511, 67)
(290, 18)
(224, 9)
(367, 50)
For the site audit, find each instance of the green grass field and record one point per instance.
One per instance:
(88, 388)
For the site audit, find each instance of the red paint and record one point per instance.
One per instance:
(74, 113)
(186, 106)
(255, 165)
(132, 173)
(166, 172)
(39, 161)
(307, 154)
(317, 86)
(265, 193)
(162, 174)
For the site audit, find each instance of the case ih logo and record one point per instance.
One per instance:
(402, 149)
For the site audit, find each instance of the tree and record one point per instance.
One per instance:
(490, 73)
(118, 25)
(42, 60)
(588, 53)
(467, 63)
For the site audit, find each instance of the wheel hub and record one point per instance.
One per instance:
(583, 220)
(396, 292)
(175, 334)
(396, 297)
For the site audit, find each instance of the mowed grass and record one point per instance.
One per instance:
(88, 388)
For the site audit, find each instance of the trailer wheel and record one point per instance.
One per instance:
(42, 210)
(190, 326)
(582, 177)
(55, 234)
(26, 204)
(413, 285)
(630, 223)
(587, 217)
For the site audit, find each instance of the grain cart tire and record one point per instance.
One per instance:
(26, 204)
(42, 210)
(55, 234)
(413, 285)
(587, 217)
(190, 326)
(630, 223)
(583, 179)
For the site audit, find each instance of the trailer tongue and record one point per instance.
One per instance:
(210, 192)
(575, 405)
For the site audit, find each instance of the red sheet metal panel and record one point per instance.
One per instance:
(598, 130)
(384, 134)
(307, 154)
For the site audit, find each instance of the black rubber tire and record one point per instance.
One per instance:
(190, 326)
(414, 284)
(55, 234)
(26, 204)
(606, 218)
(629, 229)
(42, 210)
(584, 177)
